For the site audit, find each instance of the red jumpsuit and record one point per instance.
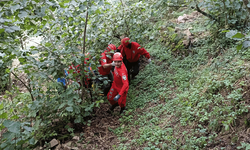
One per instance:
(133, 54)
(120, 86)
(76, 70)
(105, 60)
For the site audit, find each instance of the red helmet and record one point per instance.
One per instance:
(125, 41)
(111, 47)
(117, 57)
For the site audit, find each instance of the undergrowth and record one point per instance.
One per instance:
(185, 103)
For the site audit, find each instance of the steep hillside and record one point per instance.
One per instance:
(197, 101)
(193, 95)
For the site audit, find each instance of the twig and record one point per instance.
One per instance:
(204, 13)
(21, 81)
(177, 6)
(28, 88)
(232, 128)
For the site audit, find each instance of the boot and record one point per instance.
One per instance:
(122, 111)
(111, 108)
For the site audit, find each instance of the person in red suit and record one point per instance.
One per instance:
(106, 62)
(76, 71)
(131, 52)
(118, 92)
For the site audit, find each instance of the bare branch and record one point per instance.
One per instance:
(21, 81)
(28, 88)
(204, 13)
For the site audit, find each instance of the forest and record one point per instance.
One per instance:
(194, 94)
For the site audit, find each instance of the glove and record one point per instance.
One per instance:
(117, 97)
(113, 64)
(149, 60)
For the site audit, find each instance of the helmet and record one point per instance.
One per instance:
(117, 57)
(86, 54)
(125, 41)
(111, 47)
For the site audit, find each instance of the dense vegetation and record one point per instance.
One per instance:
(192, 96)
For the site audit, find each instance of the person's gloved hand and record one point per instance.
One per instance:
(149, 60)
(113, 64)
(117, 97)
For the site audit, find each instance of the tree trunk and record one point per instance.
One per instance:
(10, 86)
(83, 51)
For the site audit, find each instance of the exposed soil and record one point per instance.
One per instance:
(98, 135)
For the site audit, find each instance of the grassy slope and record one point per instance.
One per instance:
(196, 102)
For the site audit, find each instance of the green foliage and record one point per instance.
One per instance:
(243, 39)
(246, 146)
(191, 92)
(229, 14)
(194, 90)
(60, 25)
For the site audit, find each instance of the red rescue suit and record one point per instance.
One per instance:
(120, 86)
(76, 70)
(133, 54)
(105, 60)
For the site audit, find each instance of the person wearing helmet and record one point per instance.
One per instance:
(76, 71)
(106, 63)
(131, 52)
(118, 92)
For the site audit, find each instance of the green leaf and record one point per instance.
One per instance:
(225, 31)
(14, 117)
(2, 126)
(14, 8)
(98, 11)
(93, 8)
(248, 5)
(64, 34)
(12, 29)
(48, 44)
(32, 141)
(1, 106)
(62, 105)
(69, 109)
(100, 3)
(82, 7)
(29, 129)
(12, 126)
(4, 116)
(1, 30)
(70, 102)
(238, 35)
(78, 119)
(239, 47)
(231, 33)
(107, 3)
(26, 71)
(7, 70)
(22, 14)
(246, 44)
(49, 3)
(21, 60)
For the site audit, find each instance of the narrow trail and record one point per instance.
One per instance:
(98, 133)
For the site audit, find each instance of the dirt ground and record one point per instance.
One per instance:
(97, 134)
